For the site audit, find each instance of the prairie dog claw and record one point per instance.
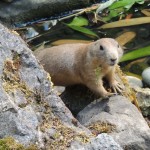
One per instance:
(116, 86)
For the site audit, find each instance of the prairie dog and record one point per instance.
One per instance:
(86, 64)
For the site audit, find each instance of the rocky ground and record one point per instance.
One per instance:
(32, 113)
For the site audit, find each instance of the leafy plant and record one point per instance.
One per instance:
(84, 30)
(119, 7)
(142, 52)
(125, 4)
(78, 23)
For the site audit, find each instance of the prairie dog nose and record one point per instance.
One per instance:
(113, 59)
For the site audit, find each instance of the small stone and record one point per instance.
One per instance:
(134, 81)
(146, 76)
(143, 97)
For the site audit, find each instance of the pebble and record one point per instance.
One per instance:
(146, 76)
(134, 81)
(143, 97)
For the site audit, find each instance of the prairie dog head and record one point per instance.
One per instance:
(106, 50)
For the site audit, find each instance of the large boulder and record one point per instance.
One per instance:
(27, 99)
(121, 119)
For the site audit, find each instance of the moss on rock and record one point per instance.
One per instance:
(101, 127)
(11, 78)
(9, 143)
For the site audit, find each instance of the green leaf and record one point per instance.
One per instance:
(83, 30)
(129, 6)
(142, 52)
(120, 6)
(79, 21)
(125, 3)
(121, 3)
(113, 13)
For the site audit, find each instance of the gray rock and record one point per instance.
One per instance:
(143, 97)
(146, 76)
(19, 124)
(134, 81)
(29, 106)
(131, 130)
(101, 142)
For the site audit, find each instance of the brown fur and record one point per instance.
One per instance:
(86, 64)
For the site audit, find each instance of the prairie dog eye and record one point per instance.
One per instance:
(118, 45)
(101, 48)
